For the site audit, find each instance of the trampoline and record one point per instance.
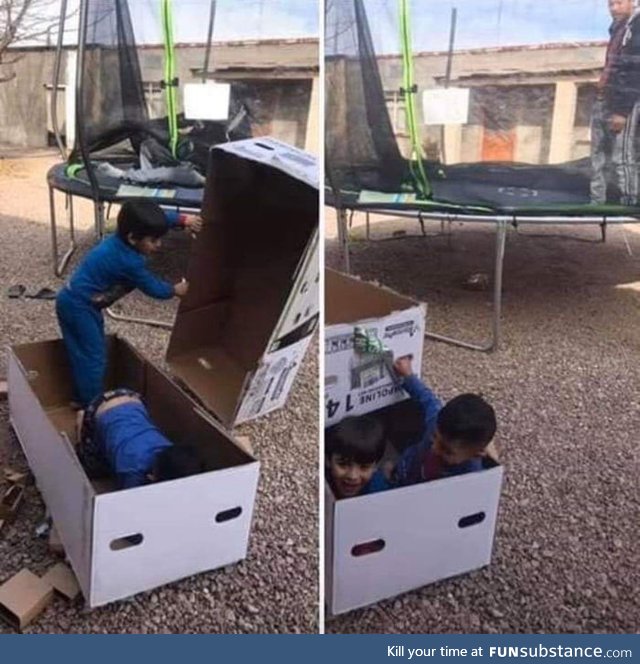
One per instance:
(127, 145)
(489, 125)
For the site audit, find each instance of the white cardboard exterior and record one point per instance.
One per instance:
(418, 527)
(423, 538)
(177, 520)
(355, 385)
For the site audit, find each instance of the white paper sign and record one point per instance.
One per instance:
(207, 101)
(445, 106)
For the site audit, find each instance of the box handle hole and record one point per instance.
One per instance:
(126, 542)
(227, 515)
(266, 147)
(471, 520)
(366, 548)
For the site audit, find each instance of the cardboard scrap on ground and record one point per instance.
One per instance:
(62, 579)
(25, 596)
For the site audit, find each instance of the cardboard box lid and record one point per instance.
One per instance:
(260, 212)
(349, 299)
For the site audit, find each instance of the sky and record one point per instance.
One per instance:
(489, 23)
(234, 19)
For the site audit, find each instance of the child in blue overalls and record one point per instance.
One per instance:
(118, 438)
(110, 270)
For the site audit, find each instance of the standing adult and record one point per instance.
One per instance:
(614, 120)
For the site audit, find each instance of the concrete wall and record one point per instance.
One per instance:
(23, 109)
(281, 107)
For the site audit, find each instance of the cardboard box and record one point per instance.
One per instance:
(63, 581)
(380, 545)
(356, 384)
(252, 304)
(184, 526)
(412, 536)
(23, 597)
(237, 343)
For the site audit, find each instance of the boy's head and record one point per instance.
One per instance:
(141, 224)
(621, 9)
(466, 425)
(353, 449)
(175, 462)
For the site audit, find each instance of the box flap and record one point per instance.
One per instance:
(349, 299)
(260, 212)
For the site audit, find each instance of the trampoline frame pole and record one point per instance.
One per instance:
(502, 224)
(60, 264)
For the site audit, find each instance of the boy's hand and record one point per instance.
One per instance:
(402, 366)
(193, 224)
(181, 288)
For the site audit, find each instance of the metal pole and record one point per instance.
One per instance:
(207, 53)
(452, 40)
(501, 234)
(56, 80)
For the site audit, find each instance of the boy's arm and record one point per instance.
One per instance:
(149, 284)
(428, 401)
(177, 219)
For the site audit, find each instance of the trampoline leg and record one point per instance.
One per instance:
(60, 264)
(98, 216)
(141, 321)
(603, 230)
(501, 235)
(343, 238)
(367, 221)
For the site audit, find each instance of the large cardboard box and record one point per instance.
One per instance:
(238, 340)
(380, 545)
(181, 527)
(253, 299)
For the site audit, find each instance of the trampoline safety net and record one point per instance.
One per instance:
(485, 107)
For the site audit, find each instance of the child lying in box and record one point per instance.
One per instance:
(455, 437)
(118, 438)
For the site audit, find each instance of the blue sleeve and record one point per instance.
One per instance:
(148, 283)
(428, 401)
(407, 468)
(379, 482)
(173, 218)
(131, 480)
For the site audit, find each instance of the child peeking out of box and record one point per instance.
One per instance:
(353, 450)
(118, 438)
(110, 270)
(455, 436)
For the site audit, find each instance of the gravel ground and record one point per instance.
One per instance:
(275, 588)
(565, 387)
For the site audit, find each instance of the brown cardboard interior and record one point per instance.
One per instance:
(257, 224)
(170, 408)
(348, 299)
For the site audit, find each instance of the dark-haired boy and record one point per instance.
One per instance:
(455, 436)
(110, 270)
(353, 450)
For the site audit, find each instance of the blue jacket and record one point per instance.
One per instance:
(114, 268)
(130, 442)
(408, 469)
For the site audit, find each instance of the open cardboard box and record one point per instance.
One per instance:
(238, 340)
(244, 327)
(181, 527)
(380, 545)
